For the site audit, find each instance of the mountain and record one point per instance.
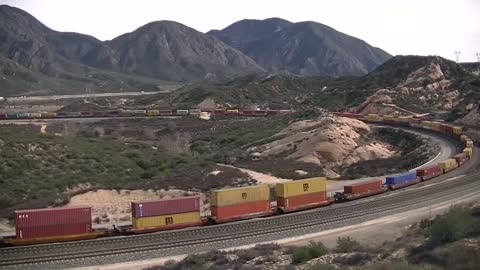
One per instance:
(173, 51)
(59, 62)
(304, 48)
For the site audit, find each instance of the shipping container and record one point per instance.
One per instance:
(232, 112)
(427, 125)
(414, 122)
(165, 206)
(176, 220)
(403, 120)
(436, 126)
(241, 211)
(53, 230)
(463, 138)
(468, 152)
(469, 144)
(259, 113)
(3, 116)
(402, 180)
(182, 112)
(52, 216)
(460, 158)
(246, 112)
(457, 131)
(166, 112)
(240, 195)
(388, 119)
(374, 118)
(363, 187)
(301, 202)
(301, 187)
(153, 112)
(429, 172)
(48, 115)
(448, 165)
(194, 111)
(219, 112)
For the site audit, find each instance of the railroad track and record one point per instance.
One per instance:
(118, 249)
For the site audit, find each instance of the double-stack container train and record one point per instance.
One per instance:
(226, 205)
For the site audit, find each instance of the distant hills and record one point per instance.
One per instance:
(304, 48)
(35, 59)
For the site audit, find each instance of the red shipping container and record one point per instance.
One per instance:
(429, 172)
(302, 200)
(363, 187)
(53, 216)
(53, 230)
(166, 206)
(3, 116)
(460, 158)
(240, 210)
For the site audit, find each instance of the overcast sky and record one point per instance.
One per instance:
(423, 27)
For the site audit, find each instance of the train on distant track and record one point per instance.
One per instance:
(142, 113)
(228, 205)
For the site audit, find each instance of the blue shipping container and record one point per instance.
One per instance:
(402, 178)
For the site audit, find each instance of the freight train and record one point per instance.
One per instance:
(142, 113)
(228, 205)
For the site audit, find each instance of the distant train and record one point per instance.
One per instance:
(228, 205)
(142, 113)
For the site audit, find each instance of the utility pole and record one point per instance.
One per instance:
(457, 55)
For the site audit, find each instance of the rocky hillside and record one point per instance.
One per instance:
(304, 48)
(172, 51)
(35, 57)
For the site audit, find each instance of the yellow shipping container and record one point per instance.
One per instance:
(435, 126)
(240, 195)
(301, 187)
(404, 119)
(457, 130)
(374, 118)
(427, 124)
(469, 144)
(448, 164)
(388, 117)
(468, 152)
(166, 220)
(153, 112)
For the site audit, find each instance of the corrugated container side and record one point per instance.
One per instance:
(52, 216)
(239, 210)
(460, 158)
(457, 130)
(166, 220)
(53, 230)
(428, 170)
(363, 187)
(469, 144)
(240, 195)
(300, 187)
(302, 200)
(448, 164)
(402, 178)
(463, 138)
(166, 206)
(468, 152)
(435, 126)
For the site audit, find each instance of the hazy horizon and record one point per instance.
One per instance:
(426, 27)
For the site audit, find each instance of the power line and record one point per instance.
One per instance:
(457, 55)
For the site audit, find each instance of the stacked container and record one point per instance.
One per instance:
(301, 194)
(416, 123)
(460, 158)
(435, 126)
(240, 203)
(469, 144)
(374, 118)
(457, 131)
(402, 180)
(448, 165)
(468, 152)
(52, 222)
(429, 172)
(388, 119)
(364, 189)
(166, 213)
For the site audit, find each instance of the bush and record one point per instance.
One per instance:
(456, 224)
(396, 265)
(313, 250)
(348, 245)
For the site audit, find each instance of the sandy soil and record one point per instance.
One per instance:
(114, 206)
(260, 177)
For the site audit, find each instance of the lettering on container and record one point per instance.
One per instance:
(244, 195)
(305, 187)
(168, 220)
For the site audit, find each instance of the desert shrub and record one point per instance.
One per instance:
(321, 266)
(456, 224)
(353, 260)
(463, 258)
(395, 265)
(313, 250)
(347, 245)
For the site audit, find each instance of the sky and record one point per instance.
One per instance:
(420, 27)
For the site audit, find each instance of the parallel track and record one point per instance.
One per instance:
(108, 250)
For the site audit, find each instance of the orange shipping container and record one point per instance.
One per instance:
(239, 211)
(303, 201)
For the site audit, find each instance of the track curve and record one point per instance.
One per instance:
(109, 250)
